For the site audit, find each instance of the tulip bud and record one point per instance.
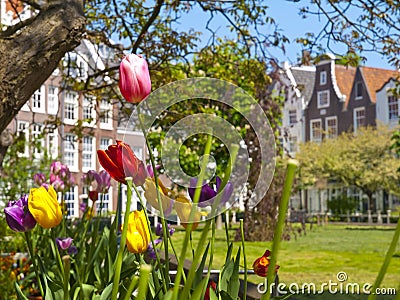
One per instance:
(138, 235)
(261, 264)
(134, 81)
(44, 207)
(18, 216)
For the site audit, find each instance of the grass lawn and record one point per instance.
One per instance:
(319, 255)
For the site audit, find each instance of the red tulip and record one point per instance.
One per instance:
(261, 264)
(134, 78)
(120, 162)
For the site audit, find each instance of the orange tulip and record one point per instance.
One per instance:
(261, 264)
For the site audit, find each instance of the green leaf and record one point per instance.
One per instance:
(199, 288)
(199, 272)
(106, 294)
(234, 283)
(20, 295)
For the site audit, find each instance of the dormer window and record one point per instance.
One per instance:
(359, 90)
(323, 99)
(322, 78)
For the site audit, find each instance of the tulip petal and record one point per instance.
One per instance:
(44, 207)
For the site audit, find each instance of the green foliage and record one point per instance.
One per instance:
(342, 205)
(364, 160)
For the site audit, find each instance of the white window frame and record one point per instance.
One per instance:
(88, 104)
(23, 128)
(392, 116)
(292, 144)
(319, 95)
(71, 201)
(71, 147)
(292, 113)
(37, 130)
(356, 110)
(322, 78)
(88, 153)
(106, 109)
(107, 203)
(70, 104)
(82, 67)
(38, 97)
(327, 127)
(52, 99)
(52, 144)
(312, 137)
(105, 142)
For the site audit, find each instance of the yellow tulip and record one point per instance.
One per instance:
(44, 207)
(138, 235)
(150, 193)
(183, 208)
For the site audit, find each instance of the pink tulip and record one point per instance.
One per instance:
(134, 78)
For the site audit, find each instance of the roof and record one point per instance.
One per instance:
(344, 76)
(375, 78)
(305, 79)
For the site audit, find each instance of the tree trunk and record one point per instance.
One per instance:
(30, 54)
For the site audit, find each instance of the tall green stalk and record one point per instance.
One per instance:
(33, 257)
(386, 262)
(244, 260)
(118, 263)
(290, 173)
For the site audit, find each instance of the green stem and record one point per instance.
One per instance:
(244, 260)
(131, 287)
(189, 225)
(151, 236)
(67, 267)
(56, 252)
(118, 263)
(386, 262)
(199, 252)
(33, 256)
(166, 236)
(143, 281)
(290, 173)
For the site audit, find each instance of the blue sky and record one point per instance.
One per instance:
(292, 24)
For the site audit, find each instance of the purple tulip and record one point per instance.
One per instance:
(64, 244)
(18, 216)
(39, 178)
(208, 193)
(159, 230)
(134, 78)
(82, 206)
(72, 250)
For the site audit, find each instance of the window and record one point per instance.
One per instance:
(138, 151)
(292, 144)
(52, 144)
(24, 131)
(322, 78)
(88, 111)
(70, 199)
(359, 117)
(104, 143)
(323, 99)
(70, 107)
(71, 152)
(292, 117)
(393, 108)
(331, 127)
(315, 130)
(88, 162)
(52, 100)
(38, 100)
(359, 90)
(37, 138)
(103, 203)
(105, 115)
